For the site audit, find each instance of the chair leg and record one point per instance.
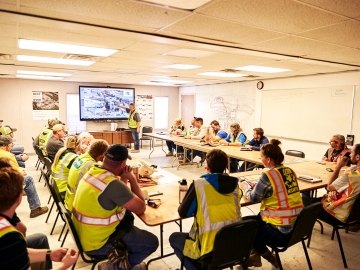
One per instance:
(63, 241)
(278, 260)
(306, 254)
(53, 227)
(333, 233)
(62, 231)
(48, 215)
(341, 248)
(321, 226)
(49, 199)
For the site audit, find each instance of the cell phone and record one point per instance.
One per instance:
(154, 203)
(249, 186)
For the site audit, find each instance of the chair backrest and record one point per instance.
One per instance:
(305, 223)
(147, 129)
(355, 211)
(39, 153)
(233, 244)
(295, 153)
(48, 163)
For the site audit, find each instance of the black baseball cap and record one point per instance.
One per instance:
(117, 152)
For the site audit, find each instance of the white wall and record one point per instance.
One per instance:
(16, 104)
(313, 150)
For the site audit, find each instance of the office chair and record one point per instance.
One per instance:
(146, 129)
(295, 153)
(353, 218)
(302, 230)
(232, 246)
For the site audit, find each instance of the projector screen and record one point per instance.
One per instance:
(101, 103)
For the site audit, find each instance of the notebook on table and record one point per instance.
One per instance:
(310, 179)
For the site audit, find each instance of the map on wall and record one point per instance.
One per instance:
(45, 105)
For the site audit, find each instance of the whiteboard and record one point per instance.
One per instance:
(307, 114)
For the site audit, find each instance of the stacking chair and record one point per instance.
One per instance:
(295, 153)
(353, 218)
(232, 246)
(66, 215)
(146, 129)
(302, 230)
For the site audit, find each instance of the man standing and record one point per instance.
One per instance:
(102, 210)
(134, 123)
(214, 201)
(29, 185)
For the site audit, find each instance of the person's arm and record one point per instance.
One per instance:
(66, 257)
(325, 157)
(260, 191)
(202, 134)
(189, 204)
(225, 141)
(342, 161)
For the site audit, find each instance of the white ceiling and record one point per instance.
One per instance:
(306, 36)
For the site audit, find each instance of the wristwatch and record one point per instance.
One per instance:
(47, 257)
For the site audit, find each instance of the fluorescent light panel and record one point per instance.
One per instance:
(42, 73)
(64, 48)
(262, 69)
(222, 74)
(38, 77)
(182, 66)
(182, 4)
(50, 60)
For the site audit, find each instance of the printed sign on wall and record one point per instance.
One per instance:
(45, 105)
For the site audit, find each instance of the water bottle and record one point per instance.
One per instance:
(182, 189)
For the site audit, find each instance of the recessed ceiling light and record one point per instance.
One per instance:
(38, 77)
(42, 73)
(64, 48)
(182, 66)
(50, 60)
(263, 69)
(222, 74)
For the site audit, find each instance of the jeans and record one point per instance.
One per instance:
(177, 242)
(31, 193)
(38, 241)
(171, 146)
(139, 243)
(194, 154)
(17, 149)
(135, 136)
(234, 164)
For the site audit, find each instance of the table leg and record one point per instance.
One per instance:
(152, 147)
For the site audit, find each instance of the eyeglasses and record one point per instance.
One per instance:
(334, 142)
(154, 203)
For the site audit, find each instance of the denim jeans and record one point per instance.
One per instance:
(38, 241)
(139, 243)
(135, 136)
(31, 193)
(177, 242)
(171, 146)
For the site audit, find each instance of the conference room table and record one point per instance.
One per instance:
(168, 186)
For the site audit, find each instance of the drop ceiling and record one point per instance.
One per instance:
(306, 36)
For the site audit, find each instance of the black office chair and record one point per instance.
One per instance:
(302, 230)
(146, 129)
(232, 246)
(295, 153)
(41, 157)
(94, 260)
(353, 218)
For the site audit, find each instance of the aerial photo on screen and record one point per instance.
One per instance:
(102, 103)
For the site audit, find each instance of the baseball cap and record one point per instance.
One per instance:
(53, 122)
(5, 140)
(6, 130)
(58, 127)
(117, 152)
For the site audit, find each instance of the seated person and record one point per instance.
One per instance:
(81, 165)
(255, 144)
(102, 210)
(42, 139)
(14, 250)
(29, 185)
(216, 194)
(342, 190)
(17, 149)
(176, 129)
(85, 139)
(337, 148)
(56, 141)
(281, 203)
(198, 134)
(235, 138)
(215, 134)
(63, 160)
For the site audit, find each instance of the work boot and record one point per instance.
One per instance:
(38, 211)
(254, 259)
(271, 258)
(169, 154)
(135, 151)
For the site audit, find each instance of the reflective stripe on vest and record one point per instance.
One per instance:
(98, 221)
(281, 208)
(5, 227)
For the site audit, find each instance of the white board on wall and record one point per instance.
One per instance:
(307, 114)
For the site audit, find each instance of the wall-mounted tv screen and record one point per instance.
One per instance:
(101, 103)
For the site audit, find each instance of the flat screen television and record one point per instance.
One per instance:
(101, 103)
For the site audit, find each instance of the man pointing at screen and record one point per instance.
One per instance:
(134, 122)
